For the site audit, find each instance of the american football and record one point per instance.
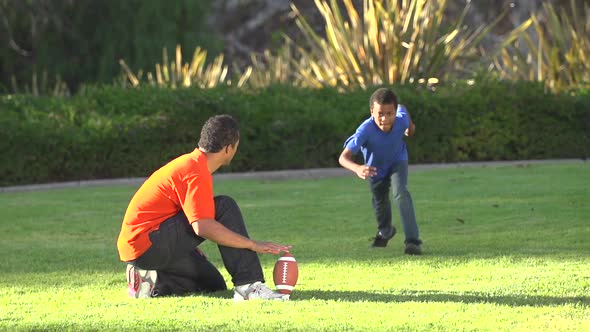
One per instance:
(285, 273)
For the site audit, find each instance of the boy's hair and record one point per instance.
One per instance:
(219, 131)
(383, 96)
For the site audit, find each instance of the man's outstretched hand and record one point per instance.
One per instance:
(263, 247)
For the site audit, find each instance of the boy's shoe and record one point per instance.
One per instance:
(140, 282)
(380, 241)
(413, 249)
(257, 291)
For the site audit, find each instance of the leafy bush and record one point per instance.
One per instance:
(82, 40)
(109, 132)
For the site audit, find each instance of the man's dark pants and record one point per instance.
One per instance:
(182, 270)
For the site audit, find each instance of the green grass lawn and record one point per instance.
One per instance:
(506, 249)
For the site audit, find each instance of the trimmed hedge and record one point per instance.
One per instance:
(109, 132)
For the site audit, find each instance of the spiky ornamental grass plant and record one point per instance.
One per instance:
(551, 47)
(393, 41)
(271, 68)
(44, 86)
(176, 74)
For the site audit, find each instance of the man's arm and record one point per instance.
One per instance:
(211, 229)
(362, 171)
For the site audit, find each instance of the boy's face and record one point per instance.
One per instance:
(384, 115)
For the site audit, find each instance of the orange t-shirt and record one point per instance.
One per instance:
(184, 184)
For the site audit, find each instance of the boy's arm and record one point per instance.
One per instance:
(362, 171)
(411, 128)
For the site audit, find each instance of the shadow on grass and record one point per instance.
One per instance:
(360, 296)
(357, 296)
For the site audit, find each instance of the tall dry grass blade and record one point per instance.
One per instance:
(245, 76)
(159, 76)
(34, 87)
(353, 14)
(165, 70)
(130, 76)
(178, 61)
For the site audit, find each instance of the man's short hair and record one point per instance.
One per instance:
(218, 132)
(383, 96)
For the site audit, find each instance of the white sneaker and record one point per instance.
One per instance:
(140, 282)
(257, 291)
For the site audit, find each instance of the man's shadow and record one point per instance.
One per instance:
(467, 297)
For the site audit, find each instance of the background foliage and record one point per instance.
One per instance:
(550, 47)
(110, 132)
(83, 40)
(387, 42)
(114, 130)
(54, 46)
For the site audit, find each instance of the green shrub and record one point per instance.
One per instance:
(81, 41)
(110, 132)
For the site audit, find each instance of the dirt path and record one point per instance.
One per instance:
(314, 173)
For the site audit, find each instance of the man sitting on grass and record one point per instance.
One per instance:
(174, 211)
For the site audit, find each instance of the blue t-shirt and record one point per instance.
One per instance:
(381, 149)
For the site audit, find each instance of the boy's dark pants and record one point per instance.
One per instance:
(182, 270)
(398, 177)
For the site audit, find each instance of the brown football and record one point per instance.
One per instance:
(285, 273)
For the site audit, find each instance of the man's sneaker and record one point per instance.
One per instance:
(380, 241)
(140, 282)
(413, 249)
(257, 291)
